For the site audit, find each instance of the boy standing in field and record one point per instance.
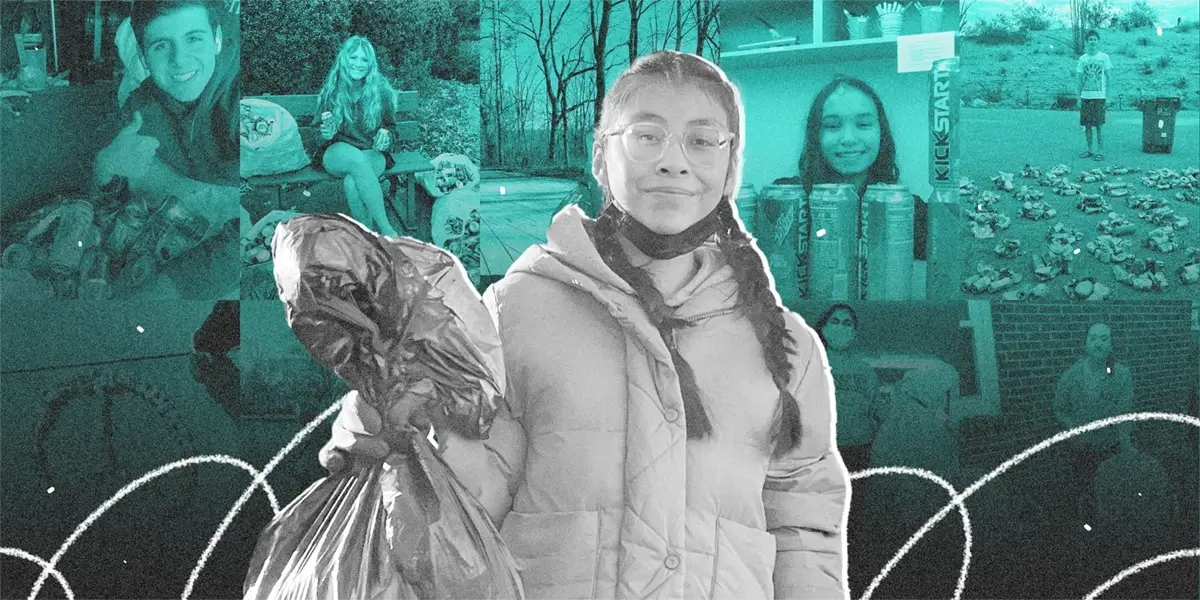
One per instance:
(1092, 68)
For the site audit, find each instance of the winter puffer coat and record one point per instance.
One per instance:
(589, 470)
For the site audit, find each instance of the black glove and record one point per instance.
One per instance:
(221, 331)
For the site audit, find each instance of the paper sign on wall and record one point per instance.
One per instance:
(917, 52)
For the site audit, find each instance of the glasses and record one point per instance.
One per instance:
(703, 145)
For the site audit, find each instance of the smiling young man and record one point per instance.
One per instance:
(182, 120)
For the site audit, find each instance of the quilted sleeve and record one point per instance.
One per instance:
(805, 493)
(506, 442)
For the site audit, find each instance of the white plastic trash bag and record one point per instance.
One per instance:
(270, 139)
(450, 172)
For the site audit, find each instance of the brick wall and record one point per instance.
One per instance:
(1036, 342)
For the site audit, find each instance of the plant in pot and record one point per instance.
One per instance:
(891, 18)
(932, 15)
(858, 17)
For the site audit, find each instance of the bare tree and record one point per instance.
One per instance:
(522, 96)
(571, 66)
(599, 36)
(707, 25)
(637, 10)
(543, 27)
(1077, 25)
(493, 85)
(964, 7)
(679, 15)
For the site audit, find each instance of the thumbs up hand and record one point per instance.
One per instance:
(129, 155)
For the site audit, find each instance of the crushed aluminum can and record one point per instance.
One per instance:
(94, 281)
(1008, 248)
(75, 233)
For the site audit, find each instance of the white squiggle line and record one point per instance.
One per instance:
(1162, 558)
(259, 481)
(58, 576)
(241, 501)
(1012, 462)
(962, 510)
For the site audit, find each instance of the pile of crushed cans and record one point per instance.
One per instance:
(1037, 210)
(1109, 249)
(1008, 248)
(988, 279)
(1189, 272)
(1087, 289)
(1144, 275)
(92, 247)
(1061, 234)
(1110, 246)
(1116, 225)
(1091, 204)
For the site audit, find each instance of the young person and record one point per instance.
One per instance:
(858, 415)
(361, 108)
(857, 387)
(181, 123)
(668, 425)
(847, 139)
(1092, 68)
(1095, 387)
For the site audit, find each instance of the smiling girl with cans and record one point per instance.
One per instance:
(848, 139)
(356, 111)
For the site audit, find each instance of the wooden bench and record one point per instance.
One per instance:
(408, 164)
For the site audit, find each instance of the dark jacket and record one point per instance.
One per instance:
(353, 131)
(199, 139)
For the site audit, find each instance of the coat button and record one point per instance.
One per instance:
(672, 415)
(671, 562)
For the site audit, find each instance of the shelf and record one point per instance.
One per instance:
(798, 54)
(802, 54)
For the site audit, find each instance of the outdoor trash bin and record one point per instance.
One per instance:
(1158, 124)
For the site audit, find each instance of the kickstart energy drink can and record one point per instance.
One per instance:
(833, 271)
(888, 242)
(943, 123)
(946, 259)
(784, 205)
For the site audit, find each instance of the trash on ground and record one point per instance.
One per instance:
(1116, 225)
(1108, 249)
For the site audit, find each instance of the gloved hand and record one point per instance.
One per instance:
(358, 428)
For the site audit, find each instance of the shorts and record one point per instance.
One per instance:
(1091, 112)
(319, 158)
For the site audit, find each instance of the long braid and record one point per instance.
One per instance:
(698, 424)
(765, 314)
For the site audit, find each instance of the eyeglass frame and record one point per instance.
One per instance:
(726, 143)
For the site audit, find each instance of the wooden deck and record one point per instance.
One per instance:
(515, 213)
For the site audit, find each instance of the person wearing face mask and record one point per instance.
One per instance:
(1095, 387)
(181, 123)
(857, 387)
(667, 426)
(858, 411)
(847, 139)
(356, 112)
